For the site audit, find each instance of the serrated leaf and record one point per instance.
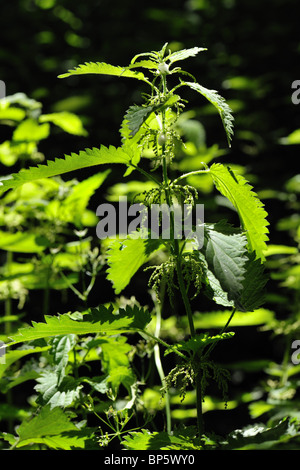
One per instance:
(250, 209)
(53, 429)
(252, 295)
(145, 440)
(125, 257)
(136, 116)
(225, 253)
(99, 320)
(198, 342)
(260, 436)
(214, 291)
(45, 423)
(147, 64)
(56, 394)
(86, 158)
(60, 348)
(220, 104)
(103, 69)
(185, 53)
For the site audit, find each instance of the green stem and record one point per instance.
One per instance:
(7, 330)
(198, 378)
(190, 173)
(8, 301)
(145, 173)
(213, 345)
(163, 343)
(159, 366)
(182, 288)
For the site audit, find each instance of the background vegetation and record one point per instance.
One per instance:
(252, 59)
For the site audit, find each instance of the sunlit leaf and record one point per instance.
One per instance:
(86, 158)
(57, 394)
(225, 252)
(185, 53)
(53, 429)
(250, 209)
(125, 257)
(101, 320)
(31, 131)
(145, 440)
(103, 69)
(67, 121)
(219, 103)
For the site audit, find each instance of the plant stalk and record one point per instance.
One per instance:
(185, 298)
(187, 305)
(159, 367)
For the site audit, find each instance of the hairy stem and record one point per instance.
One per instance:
(7, 329)
(159, 364)
(189, 313)
(180, 277)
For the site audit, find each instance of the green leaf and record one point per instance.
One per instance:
(103, 69)
(233, 277)
(67, 121)
(60, 348)
(260, 436)
(86, 158)
(124, 320)
(225, 253)
(114, 353)
(22, 100)
(57, 394)
(250, 209)
(183, 439)
(218, 318)
(125, 257)
(252, 295)
(74, 205)
(13, 356)
(53, 429)
(272, 250)
(116, 364)
(11, 113)
(214, 291)
(122, 375)
(198, 342)
(147, 64)
(136, 116)
(220, 104)
(101, 320)
(292, 139)
(46, 423)
(184, 54)
(31, 131)
(20, 242)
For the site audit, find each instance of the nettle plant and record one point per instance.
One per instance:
(227, 267)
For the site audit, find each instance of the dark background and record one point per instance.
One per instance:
(254, 39)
